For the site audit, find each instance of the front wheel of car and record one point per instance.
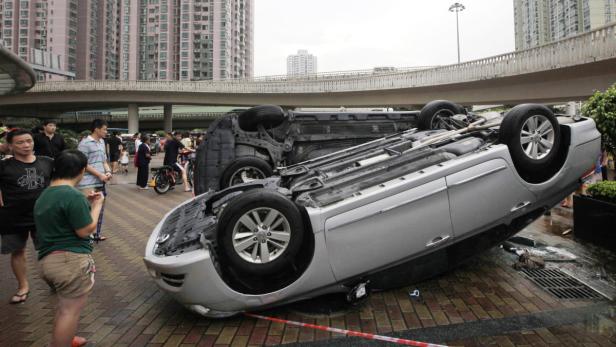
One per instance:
(260, 233)
(533, 136)
(244, 170)
(438, 114)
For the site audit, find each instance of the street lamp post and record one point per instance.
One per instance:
(457, 7)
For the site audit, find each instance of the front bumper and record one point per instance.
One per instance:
(191, 277)
(192, 280)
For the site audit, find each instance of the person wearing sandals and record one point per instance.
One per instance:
(22, 179)
(98, 172)
(65, 220)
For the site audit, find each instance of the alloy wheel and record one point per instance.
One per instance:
(261, 235)
(537, 137)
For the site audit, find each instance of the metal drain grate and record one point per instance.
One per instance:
(560, 284)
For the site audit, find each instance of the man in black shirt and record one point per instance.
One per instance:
(114, 143)
(22, 179)
(48, 143)
(172, 150)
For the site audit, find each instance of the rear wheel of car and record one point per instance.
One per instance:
(261, 232)
(244, 170)
(533, 136)
(269, 116)
(437, 115)
(161, 183)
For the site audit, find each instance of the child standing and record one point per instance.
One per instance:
(124, 160)
(65, 222)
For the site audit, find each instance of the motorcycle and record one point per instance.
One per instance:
(164, 179)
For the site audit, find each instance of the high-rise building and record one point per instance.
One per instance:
(539, 22)
(196, 39)
(135, 39)
(301, 63)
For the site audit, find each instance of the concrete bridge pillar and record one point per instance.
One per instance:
(168, 117)
(572, 108)
(133, 118)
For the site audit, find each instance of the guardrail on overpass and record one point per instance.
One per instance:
(593, 46)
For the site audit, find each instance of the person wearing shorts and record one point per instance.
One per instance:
(65, 220)
(114, 145)
(173, 146)
(23, 177)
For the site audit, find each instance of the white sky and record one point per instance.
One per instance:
(362, 34)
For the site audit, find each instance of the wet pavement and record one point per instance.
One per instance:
(483, 303)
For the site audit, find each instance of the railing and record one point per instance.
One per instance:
(596, 45)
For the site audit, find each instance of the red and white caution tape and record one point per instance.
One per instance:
(347, 332)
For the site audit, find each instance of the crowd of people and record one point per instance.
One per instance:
(55, 197)
(177, 148)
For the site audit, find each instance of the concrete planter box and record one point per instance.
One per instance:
(593, 221)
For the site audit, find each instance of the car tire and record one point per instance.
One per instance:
(245, 169)
(161, 184)
(269, 116)
(246, 240)
(532, 134)
(433, 113)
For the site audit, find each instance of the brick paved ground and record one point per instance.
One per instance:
(485, 303)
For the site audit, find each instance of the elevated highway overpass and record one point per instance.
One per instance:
(567, 70)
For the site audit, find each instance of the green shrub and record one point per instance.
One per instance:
(604, 190)
(602, 108)
(70, 138)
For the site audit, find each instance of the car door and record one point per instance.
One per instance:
(484, 194)
(388, 230)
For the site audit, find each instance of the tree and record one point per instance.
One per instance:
(601, 107)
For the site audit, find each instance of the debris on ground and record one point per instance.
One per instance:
(558, 254)
(601, 273)
(546, 253)
(415, 295)
(529, 261)
(521, 240)
(509, 247)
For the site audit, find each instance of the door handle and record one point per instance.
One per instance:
(435, 241)
(519, 206)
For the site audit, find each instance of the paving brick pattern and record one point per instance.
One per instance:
(126, 308)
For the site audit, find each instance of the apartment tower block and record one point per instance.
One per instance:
(134, 39)
(538, 22)
(301, 63)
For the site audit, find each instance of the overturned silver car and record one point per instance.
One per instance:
(375, 216)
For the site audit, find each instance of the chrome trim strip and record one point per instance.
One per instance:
(489, 172)
(406, 202)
